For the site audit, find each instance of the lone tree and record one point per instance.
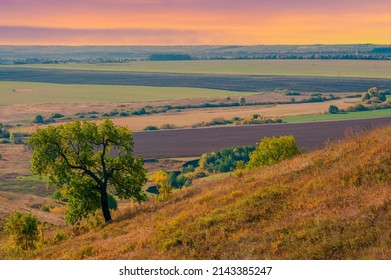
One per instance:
(88, 160)
(242, 101)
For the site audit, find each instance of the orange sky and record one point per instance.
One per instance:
(189, 22)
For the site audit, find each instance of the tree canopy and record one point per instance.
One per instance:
(88, 161)
(273, 150)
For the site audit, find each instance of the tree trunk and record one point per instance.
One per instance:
(105, 206)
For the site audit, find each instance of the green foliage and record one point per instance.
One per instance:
(5, 141)
(224, 160)
(59, 236)
(39, 119)
(23, 230)
(333, 109)
(151, 127)
(44, 208)
(273, 150)
(113, 205)
(57, 116)
(86, 160)
(168, 126)
(161, 179)
(242, 101)
(3, 132)
(18, 137)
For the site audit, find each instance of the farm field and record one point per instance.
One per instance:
(298, 67)
(190, 117)
(12, 93)
(194, 142)
(346, 116)
(240, 83)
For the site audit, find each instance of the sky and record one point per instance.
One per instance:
(194, 22)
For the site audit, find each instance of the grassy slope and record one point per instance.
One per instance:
(330, 204)
(331, 68)
(37, 93)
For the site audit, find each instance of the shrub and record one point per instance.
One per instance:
(273, 150)
(333, 109)
(168, 126)
(151, 127)
(242, 101)
(59, 236)
(39, 119)
(23, 230)
(3, 132)
(44, 208)
(124, 114)
(57, 116)
(4, 141)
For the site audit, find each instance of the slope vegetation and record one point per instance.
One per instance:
(333, 203)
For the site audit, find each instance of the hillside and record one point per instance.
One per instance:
(330, 204)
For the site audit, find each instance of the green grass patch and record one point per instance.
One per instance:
(345, 116)
(215, 177)
(298, 67)
(38, 93)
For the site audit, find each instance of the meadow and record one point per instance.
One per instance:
(283, 67)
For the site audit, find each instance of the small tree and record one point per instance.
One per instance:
(242, 101)
(333, 109)
(160, 178)
(23, 230)
(273, 150)
(88, 161)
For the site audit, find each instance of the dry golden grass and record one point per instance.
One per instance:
(187, 118)
(330, 204)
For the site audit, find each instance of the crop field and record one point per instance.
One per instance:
(329, 68)
(239, 83)
(345, 116)
(192, 117)
(194, 142)
(12, 93)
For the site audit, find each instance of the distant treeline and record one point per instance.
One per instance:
(169, 56)
(123, 54)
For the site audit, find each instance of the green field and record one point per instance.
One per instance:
(38, 93)
(330, 68)
(346, 116)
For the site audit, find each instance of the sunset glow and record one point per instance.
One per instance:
(194, 22)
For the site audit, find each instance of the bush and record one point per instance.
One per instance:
(57, 116)
(168, 126)
(23, 230)
(242, 101)
(151, 127)
(59, 236)
(3, 132)
(124, 114)
(4, 141)
(333, 109)
(39, 119)
(273, 150)
(44, 208)
(224, 160)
